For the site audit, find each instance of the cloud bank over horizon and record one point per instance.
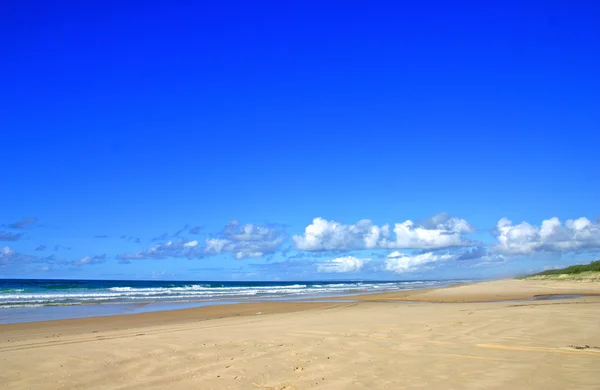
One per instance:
(576, 235)
(328, 246)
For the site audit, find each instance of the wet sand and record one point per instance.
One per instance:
(510, 289)
(477, 340)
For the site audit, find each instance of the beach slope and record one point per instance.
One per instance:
(463, 337)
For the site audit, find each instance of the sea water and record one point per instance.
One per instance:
(35, 300)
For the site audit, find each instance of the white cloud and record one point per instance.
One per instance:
(438, 231)
(7, 236)
(449, 233)
(400, 262)
(343, 264)
(191, 244)
(332, 235)
(576, 235)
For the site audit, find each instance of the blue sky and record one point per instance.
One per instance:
(278, 140)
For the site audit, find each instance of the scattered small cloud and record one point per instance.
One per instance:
(473, 253)
(9, 256)
(162, 275)
(247, 240)
(101, 236)
(89, 260)
(162, 237)
(176, 248)
(40, 248)
(49, 259)
(242, 241)
(23, 223)
(133, 239)
(8, 236)
(195, 230)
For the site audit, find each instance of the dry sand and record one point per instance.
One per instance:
(383, 341)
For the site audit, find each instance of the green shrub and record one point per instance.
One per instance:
(594, 266)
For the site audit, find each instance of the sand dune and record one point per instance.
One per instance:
(380, 342)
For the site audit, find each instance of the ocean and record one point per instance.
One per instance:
(23, 300)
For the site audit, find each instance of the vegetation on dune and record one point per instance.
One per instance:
(594, 266)
(579, 271)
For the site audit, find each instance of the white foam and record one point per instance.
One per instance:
(194, 292)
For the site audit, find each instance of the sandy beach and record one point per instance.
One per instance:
(489, 335)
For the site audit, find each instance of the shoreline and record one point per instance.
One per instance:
(58, 311)
(495, 291)
(60, 299)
